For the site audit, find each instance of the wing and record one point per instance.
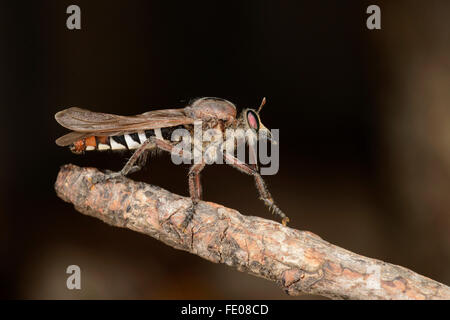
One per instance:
(70, 138)
(74, 136)
(87, 123)
(82, 120)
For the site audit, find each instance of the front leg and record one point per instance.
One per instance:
(260, 185)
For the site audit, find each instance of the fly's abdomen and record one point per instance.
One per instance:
(121, 142)
(129, 141)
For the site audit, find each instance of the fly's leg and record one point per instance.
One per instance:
(264, 193)
(195, 191)
(195, 187)
(253, 156)
(140, 154)
(130, 166)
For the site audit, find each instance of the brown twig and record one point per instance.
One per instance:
(299, 261)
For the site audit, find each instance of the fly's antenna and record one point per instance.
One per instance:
(263, 102)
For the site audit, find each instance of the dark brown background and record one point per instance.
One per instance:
(363, 118)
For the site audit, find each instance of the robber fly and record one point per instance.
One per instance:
(152, 130)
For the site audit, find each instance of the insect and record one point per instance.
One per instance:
(152, 131)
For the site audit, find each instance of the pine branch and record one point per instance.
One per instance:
(299, 261)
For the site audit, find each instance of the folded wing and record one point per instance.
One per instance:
(86, 123)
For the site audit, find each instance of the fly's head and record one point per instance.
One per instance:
(250, 121)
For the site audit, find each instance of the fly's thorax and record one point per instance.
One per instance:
(212, 108)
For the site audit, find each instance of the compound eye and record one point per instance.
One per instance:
(252, 120)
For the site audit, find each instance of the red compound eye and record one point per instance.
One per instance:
(252, 120)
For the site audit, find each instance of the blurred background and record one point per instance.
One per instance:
(364, 119)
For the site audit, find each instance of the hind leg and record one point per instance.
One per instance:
(130, 166)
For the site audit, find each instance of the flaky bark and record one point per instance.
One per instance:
(299, 261)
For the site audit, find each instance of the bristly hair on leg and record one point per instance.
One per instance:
(143, 158)
(156, 152)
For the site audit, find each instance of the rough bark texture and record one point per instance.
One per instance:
(299, 261)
